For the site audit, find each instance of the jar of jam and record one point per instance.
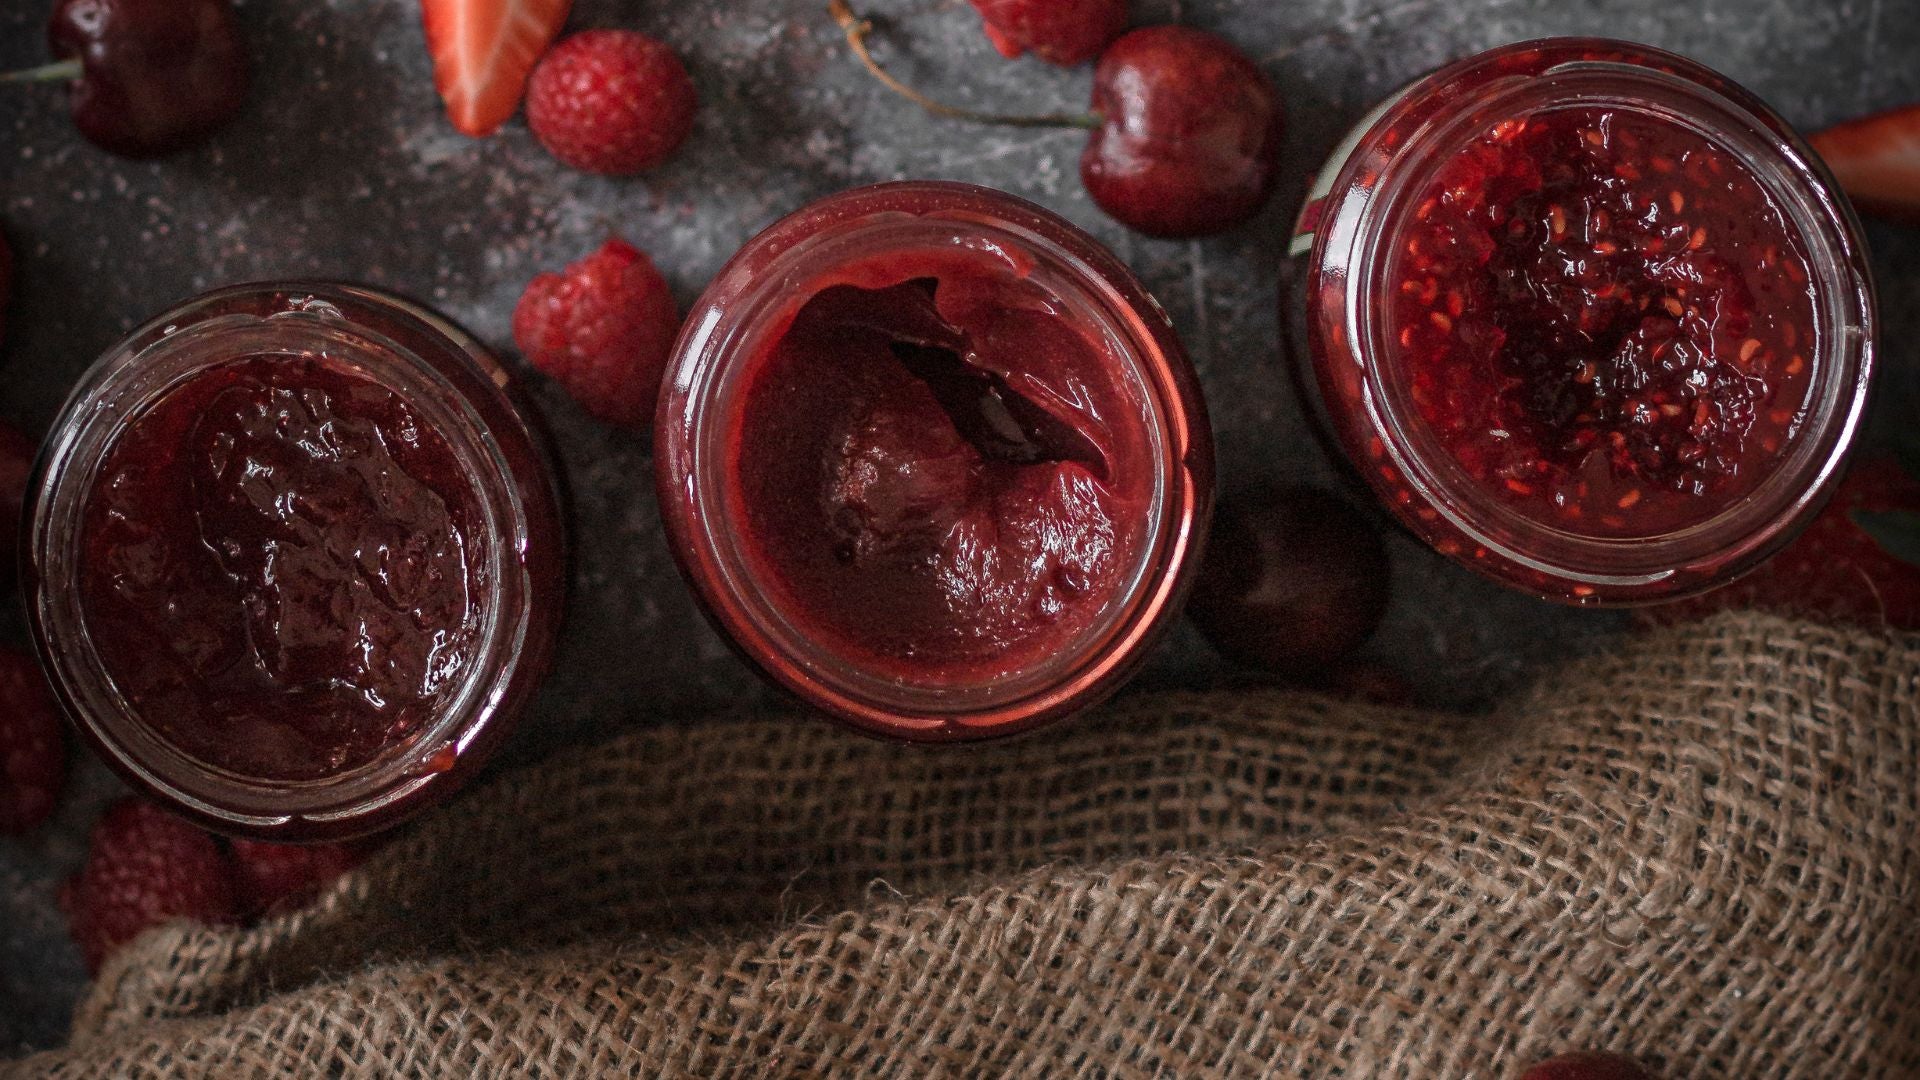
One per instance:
(293, 559)
(934, 461)
(1589, 318)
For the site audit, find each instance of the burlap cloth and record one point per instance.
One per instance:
(1701, 850)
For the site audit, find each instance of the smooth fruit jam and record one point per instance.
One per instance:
(939, 475)
(1604, 319)
(283, 567)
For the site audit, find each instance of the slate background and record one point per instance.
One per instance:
(343, 167)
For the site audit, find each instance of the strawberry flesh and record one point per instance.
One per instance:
(1877, 161)
(483, 51)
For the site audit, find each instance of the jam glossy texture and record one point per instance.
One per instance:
(939, 474)
(284, 569)
(1605, 320)
(1589, 318)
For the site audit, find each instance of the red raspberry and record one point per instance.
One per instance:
(1065, 32)
(33, 760)
(1588, 1066)
(16, 463)
(610, 101)
(272, 876)
(145, 867)
(603, 330)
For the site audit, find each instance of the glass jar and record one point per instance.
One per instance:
(1692, 486)
(362, 424)
(1139, 402)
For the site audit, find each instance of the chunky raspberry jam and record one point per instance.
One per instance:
(283, 568)
(1605, 319)
(1589, 318)
(942, 475)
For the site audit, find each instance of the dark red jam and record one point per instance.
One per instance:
(940, 475)
(1605, 319)
(284, 569)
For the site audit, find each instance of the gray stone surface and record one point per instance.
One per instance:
(342, 167)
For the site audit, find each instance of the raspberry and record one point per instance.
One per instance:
(611, 101)
(16, 464)
(33, 760)
(274, 876)
(1065, 32)
(1588, 1066)
(602, 330)
(145, 867)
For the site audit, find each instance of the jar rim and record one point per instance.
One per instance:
(769, 279)
(1676, 89)
(288, 319)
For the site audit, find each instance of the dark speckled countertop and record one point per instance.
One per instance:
(343, 167)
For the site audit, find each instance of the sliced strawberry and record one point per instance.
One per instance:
(483, 51)
(1877, 161)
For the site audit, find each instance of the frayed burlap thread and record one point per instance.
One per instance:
(1700, 850)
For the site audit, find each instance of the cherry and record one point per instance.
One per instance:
(148, 76)
(1064, 32)
(1185, 129)
(1189, 139)
(1293, 580)
(1588, 1066)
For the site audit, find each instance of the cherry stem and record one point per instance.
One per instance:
(857, 30)
(59, 71)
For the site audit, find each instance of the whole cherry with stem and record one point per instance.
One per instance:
(147, 77)
(1185, 129)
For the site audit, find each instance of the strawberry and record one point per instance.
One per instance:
(603, 330)
(33, 760)
(145, 867)
(1858, 563)
(276, 876)
(1877, 161)
(483, 51)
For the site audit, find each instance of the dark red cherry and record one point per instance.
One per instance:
(1189, 139)
(1293, 580)
(1588, 1066)
(1064, 32)
(155, 75)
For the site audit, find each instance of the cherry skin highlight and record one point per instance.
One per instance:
(156, 76)
(1605, 320)
(1293, 580)
(941, 477)
(284, 569)
(1189, 135)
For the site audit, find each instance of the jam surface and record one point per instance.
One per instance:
(942, 476)
(284, 570)
(1604, 318)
